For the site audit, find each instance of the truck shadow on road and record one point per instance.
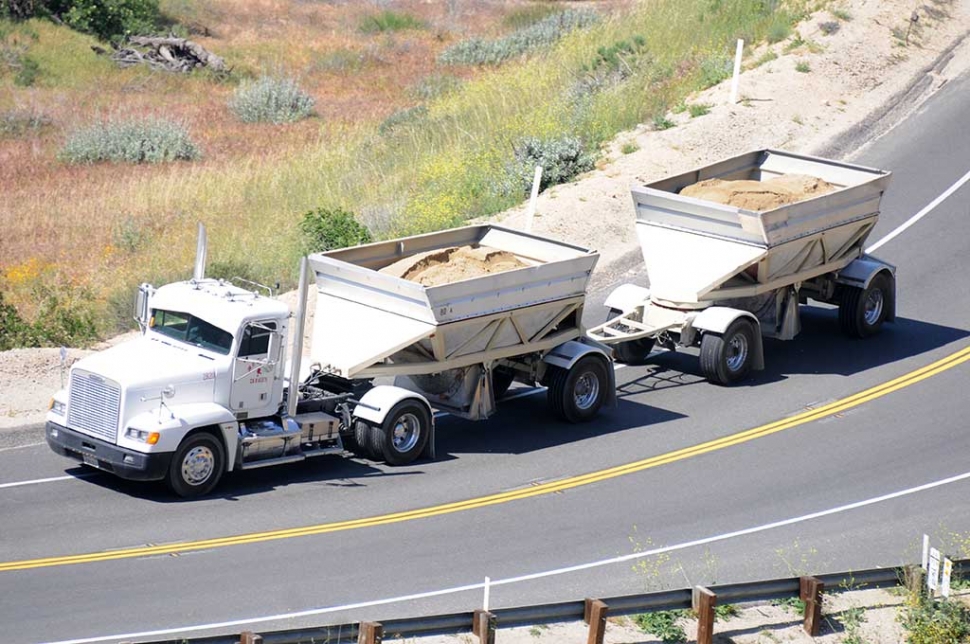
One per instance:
(820, 348)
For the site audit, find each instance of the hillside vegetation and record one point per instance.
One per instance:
(414, 117)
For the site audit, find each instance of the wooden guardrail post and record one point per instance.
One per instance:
(594, 614)
(370, 633)
(483, 626)
(248, 637)
(703, 602)
(810, 591)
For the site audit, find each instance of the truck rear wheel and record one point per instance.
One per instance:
(404, 433)
(632, 351)
(726, 359)
(576, 395)
(197, 466)
(862, 311)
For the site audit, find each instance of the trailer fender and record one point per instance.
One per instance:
(569, 353)
(375, 404)
(861, 272)
(627, 297)
(717, 319)
(378, 401)
(175, 422)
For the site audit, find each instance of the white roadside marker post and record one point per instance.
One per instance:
(531, 212)
(737, 72)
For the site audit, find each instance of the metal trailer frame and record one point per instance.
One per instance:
(710, 264)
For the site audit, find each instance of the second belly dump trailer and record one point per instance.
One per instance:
(721, 277)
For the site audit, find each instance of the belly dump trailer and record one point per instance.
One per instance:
(205, 389)
(721, 276)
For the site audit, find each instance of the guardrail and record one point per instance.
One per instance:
(702, 600)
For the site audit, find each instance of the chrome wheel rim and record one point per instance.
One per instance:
(737, 352)
(586, 391)
(198, 465)
(405, 433)
(873, 306)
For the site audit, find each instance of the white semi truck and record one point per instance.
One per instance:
(723, 276)
(205, 390)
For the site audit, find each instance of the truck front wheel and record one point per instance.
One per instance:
(863, 310)
(726, 359)
(403, 434)
(576, 395)
(197, 466)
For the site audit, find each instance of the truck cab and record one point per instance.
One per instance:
(168, 404)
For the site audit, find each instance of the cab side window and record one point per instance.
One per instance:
(255, 340)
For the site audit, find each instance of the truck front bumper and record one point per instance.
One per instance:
(125, 463)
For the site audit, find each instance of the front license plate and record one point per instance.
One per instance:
(90, 459)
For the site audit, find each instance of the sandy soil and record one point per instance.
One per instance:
(862, 80)
(759, 195)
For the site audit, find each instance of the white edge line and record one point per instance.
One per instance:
(52, 479)
(539, 575)
(922, 213)
(7, 449)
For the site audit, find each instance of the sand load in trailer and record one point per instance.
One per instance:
(717, 266)
(370, 321)
(698, 250)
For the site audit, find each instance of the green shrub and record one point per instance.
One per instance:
(435, 85)
(699, 109)
(778, 31)
(271, 99)
(929, 621)
(17, 122)
(59, 323)
(661, 122)
(108, 19)
(715, 69)
(402, 117)
(528, 15)
(28, 72)
(829, 27)
(561, 159)
(390, 21)
(331, 228)
(477, 51)
(663, 624)
(150, 140)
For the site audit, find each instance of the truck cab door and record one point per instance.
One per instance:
(256, 369)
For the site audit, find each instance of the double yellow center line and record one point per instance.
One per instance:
(808, 416)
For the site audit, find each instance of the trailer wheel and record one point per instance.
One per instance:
(632, 351)
(576, 395)
(403, 434)
(726, 359)
(862, 311)
(502, 378)
(197, 466)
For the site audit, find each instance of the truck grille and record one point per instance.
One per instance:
(94, 405)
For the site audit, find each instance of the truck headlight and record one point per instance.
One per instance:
(57, 407)
(142, 436)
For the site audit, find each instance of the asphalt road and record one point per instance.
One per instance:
(891, 442)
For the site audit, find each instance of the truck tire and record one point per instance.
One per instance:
(197, 466)
(632, 351)
(862, 311)
(576, 395)
(402, 436)
(726, 359)
(357, 441)
(502, 378)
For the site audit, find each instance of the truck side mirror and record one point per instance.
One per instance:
(142, 311)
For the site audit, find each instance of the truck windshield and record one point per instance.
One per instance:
(191, 330)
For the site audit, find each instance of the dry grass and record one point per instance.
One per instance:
(107, 227)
